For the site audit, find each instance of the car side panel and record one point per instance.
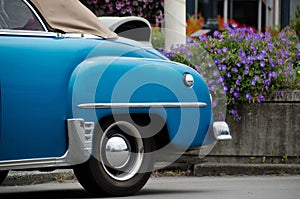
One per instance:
(34, 77)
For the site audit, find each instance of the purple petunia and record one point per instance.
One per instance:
(212, 88)
(225, 88)
(224, 50)
(236, 94)
(248, 96)
(260, 57)
(260, 98)
(234, 112)
(247, 64)
(229, 75)
(217, 34)
(272, 74)
(235, 70)
(234, 25)
(262, 64)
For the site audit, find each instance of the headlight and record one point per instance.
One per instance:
(188, 80)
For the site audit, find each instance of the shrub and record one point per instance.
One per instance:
(157, 37)
(248, 65)
(149, 9)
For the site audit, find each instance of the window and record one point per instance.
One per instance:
(246, 13)
(16, 15)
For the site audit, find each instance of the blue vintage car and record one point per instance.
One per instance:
(75, 95)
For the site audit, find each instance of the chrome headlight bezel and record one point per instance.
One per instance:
(188, 80)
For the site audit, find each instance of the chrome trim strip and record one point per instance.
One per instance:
(143, 105)
(80, 134)
(31, 163)
(28, 33)
(36, 14)
(80, 35)
(31, 33)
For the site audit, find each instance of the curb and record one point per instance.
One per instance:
(21, 178)
(220, 169)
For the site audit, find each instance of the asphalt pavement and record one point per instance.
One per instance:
(16, 178)
(182, 187)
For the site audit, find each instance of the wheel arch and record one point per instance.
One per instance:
(161, 138)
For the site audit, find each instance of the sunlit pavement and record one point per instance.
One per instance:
(223, 187)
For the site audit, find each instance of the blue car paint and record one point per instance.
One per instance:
(130, 80)
(34, 77)
(36, 82)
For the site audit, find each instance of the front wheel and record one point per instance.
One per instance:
(121, 161)
(3, 175)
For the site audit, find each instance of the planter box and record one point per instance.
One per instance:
(268, 132)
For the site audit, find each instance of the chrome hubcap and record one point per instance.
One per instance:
(121, 151)
(117, 151)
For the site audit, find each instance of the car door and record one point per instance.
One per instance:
(35, 67)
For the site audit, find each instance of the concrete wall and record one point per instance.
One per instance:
(270, 129)
(268, 133)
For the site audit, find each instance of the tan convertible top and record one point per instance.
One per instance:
(70, 16)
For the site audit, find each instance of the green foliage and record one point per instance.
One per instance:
(252, 160)
(247, 65)
(158, 38)
(284, 159)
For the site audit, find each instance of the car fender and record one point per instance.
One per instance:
(126, 80)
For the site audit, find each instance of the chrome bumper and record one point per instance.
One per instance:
(221, 131)
(218, 131)
(80, 140)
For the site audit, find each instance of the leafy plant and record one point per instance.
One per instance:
(157, 38)
(252, 159)
(284, 159)
(273, 30)
(194, 23)
(247, 65)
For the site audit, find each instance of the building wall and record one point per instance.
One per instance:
(294, 4)
(274, 12)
